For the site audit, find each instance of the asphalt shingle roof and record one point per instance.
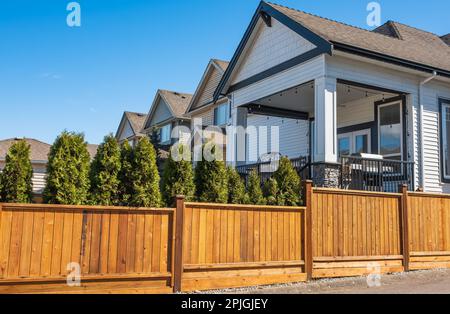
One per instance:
(136, 120)
(413, 45)
(178, 102)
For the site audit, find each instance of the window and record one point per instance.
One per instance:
(357, 142)
(445, 139)
(390, 131)
(165, 134)
(221, 114)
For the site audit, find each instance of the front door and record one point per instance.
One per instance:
(357, 142)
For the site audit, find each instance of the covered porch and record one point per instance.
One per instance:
(338, 133)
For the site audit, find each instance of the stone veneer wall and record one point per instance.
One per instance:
(326, 175)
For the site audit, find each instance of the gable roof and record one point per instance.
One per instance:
(176, 102)
(392, 42)
(446, 39)
(136, 121)
(204, 97)
(38, 149)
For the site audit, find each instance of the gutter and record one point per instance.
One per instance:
(420, 122)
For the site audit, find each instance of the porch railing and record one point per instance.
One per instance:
(355, 173)
(380, 175)
(266, 169)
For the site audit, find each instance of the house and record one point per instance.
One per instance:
(204, 111)
(332, 90)
(39, 156)
(130, 127)
(166, 114)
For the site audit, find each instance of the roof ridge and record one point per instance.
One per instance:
(174, 92)
(134, 112)
(416, 28)
(335, 21)
(24, 138)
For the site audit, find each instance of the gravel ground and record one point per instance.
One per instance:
(425, 282)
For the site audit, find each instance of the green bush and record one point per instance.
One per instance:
(254, 190)
(145, 176)
(289, 185)
(236, 188)
(211, 181)
(15, 180)
(125, 174)
(105, 173)
(271, 191)
(68, 170)
(177, 178)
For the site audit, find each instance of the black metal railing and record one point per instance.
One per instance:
(380, 175)
(266, 169)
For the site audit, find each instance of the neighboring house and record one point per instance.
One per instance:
(39, 156)
(130, 127)
(203, 109)
(335, 90)
(167, 113)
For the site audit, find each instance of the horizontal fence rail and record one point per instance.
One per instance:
(200, 246)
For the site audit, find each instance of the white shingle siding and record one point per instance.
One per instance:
(272, 46)
(292, 77)
(293, 140)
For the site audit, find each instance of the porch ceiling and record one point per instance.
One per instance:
(301, 98)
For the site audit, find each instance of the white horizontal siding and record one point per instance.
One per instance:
(292, 77)
(126, 132)
(356, 112)
(207, 117)
(293, 138)
(270, 47)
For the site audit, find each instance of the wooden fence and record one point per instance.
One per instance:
(117, 249)
(199, 246)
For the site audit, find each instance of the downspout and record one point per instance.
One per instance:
(421, 159)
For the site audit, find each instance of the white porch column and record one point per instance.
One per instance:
(325, 120)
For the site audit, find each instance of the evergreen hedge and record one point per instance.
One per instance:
(288, 182)
(211, 180)
(145, 176)
(236, 188)
(254, 190)
(15, 180)
(68, 170)
(125, 174)
(104, 174)
(177, 178)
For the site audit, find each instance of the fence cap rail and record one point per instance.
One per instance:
(82, 207)
(355, 192)
(424, 194)
(247, 207)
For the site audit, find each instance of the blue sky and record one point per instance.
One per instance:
(53, 77)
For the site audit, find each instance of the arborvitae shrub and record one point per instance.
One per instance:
(254, 190)
(271, 191)
(125, 174)
(104, 174)
(211, 181)
(15, 180)
(236, 188)
(177, 178)
(68, 170)
(289, 185)
(145, 176)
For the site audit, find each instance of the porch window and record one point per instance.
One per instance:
(165, 133)
(221, 114)
(357, 142)
(445, 139)
(390, 131)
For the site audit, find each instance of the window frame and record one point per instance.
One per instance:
(352, 140)
(443, 103)
(226, 117)
(161, 141)
(402, 140)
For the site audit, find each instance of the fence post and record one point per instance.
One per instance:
(308, 230)
(405, 227)
(178, 251)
